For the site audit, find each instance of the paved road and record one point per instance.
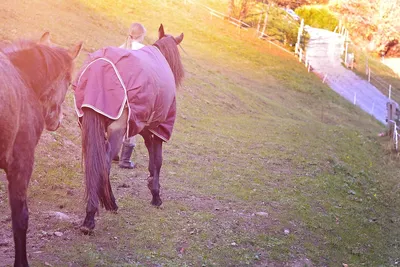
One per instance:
(323, 51)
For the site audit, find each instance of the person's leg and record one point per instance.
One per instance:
(127, 148)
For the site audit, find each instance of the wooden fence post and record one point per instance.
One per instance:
(258, 24)
(369, 75)
(300, 54)
(391, 109)
(260, 18)
(300, 33)
(265, 21)
(391, 113)
(305, 59)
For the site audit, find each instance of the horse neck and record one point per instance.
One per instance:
(30, 111)
(30, 72)
(40, 66)
(169, 50)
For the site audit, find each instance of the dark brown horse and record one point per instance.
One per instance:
(122, 92)
(34, 78)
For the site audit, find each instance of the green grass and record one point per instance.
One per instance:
(255, 132)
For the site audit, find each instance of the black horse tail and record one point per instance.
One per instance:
(94, 150)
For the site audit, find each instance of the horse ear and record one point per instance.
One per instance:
(161, 33)
(74, 51)
(179, 39)
(45, 39)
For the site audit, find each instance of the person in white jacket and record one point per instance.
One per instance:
(134, 41)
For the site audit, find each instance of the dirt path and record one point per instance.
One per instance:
(324, 50)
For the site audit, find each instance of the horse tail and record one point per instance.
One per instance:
(94, 150)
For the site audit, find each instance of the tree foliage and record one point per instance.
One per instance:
(293, 4)
(373, 24)
(240, 8)
(318, 17)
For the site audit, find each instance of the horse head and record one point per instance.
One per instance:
(161, 34)
(57, 82)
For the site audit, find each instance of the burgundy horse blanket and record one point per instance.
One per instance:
(114, 78)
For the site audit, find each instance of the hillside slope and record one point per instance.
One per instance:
(266, 167)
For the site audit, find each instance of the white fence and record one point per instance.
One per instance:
(241, 25)
(215, 13)
(385, 87)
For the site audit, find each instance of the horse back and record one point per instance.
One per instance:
(10, 96)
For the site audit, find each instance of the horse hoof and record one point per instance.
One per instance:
(86, 230)
(156, 202)
(114, 208)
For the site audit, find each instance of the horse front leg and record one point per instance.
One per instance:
(18, 180)
(155, 186)
(148, 141)
(154, 147)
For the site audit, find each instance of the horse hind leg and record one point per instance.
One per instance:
(97, 162)
(110, 155)
(89, 223)
(115, 133)
(92, 205)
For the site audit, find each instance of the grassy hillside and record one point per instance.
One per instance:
(267, 166)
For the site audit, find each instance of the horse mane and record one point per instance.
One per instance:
(169, 49)
(39, 65)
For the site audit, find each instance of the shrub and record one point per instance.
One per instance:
(318, 17)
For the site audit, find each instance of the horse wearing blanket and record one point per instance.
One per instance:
(123, 92)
